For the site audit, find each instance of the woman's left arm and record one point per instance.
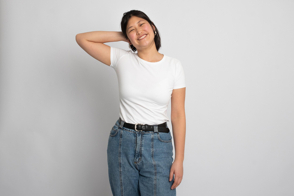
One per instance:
(178, 120)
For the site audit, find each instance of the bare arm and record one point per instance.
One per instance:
(178, 119)
(93, 43)
(102, 36)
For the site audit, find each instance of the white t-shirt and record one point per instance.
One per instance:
(145, 88)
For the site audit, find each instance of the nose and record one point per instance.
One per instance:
(139, 33)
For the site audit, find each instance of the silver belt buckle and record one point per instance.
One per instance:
(136, 126)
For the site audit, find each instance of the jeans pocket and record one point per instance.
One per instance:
(113, 131)
(164, 137)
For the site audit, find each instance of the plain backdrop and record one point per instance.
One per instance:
(58, 104)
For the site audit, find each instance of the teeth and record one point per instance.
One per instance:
(142, 37)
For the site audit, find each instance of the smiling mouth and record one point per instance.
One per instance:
(143, 37)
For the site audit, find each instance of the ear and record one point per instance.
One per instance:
(153, 28)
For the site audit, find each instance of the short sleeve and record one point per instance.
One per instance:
(115, 56)
(179, 76)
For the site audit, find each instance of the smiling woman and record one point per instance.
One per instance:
(140, 149)
(135, 24)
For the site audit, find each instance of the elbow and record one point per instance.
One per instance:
(178, 116)
(78, 37)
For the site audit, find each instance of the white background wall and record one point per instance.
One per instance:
(58, 104)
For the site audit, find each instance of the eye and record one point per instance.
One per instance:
(140, 25)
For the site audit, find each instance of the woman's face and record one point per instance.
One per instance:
(139, 28)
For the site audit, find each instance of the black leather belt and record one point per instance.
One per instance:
(144, 127)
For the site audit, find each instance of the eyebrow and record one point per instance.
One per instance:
(131, 26)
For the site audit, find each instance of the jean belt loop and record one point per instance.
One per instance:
(155, 128)
(121, 123)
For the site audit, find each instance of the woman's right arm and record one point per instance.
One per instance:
(93, 43)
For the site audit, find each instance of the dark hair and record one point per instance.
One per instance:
(124, 22)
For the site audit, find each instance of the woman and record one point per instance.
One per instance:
(140, 150)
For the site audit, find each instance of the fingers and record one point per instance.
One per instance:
(176, 183)
(176, 170)
(171, 174)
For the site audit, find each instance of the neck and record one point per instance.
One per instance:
(150, 54)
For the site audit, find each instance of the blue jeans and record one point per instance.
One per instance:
(139, 162)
